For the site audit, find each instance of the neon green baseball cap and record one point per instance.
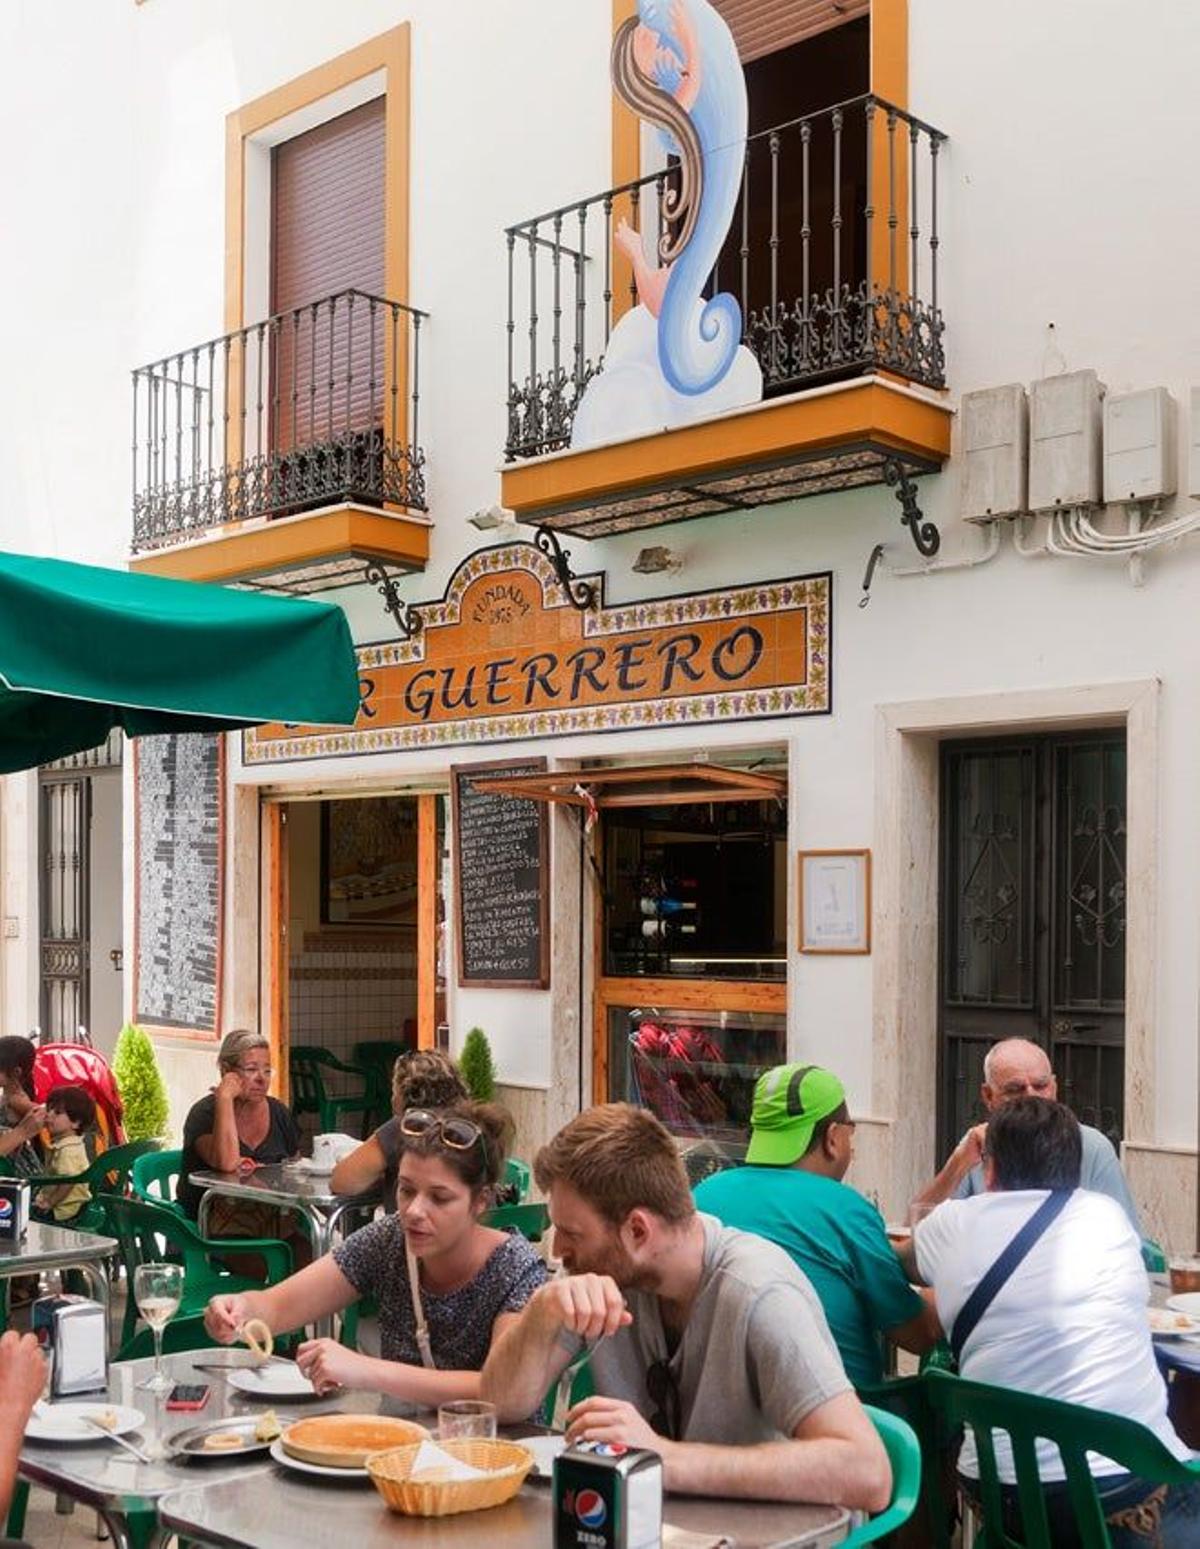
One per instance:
(789, 1102)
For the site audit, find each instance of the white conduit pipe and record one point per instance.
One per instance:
(989, 551)
(1150, 537)
(1071, 535)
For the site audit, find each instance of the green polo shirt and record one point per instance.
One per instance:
(837, 1238)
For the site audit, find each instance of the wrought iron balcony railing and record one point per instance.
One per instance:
(832, 253)
(312, 406)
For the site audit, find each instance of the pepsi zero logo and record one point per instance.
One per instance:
(590, 1509)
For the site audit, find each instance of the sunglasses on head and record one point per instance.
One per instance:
(454, 1132)
(664, 1395)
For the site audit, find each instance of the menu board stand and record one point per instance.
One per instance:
(501, 881)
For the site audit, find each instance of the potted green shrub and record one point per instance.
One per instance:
(140, 1083)
(477, 1066)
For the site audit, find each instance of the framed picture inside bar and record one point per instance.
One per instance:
(835, 901)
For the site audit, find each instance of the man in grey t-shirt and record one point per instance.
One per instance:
(710, 1346)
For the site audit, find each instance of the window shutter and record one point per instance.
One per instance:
(765, 26)
(327, 209)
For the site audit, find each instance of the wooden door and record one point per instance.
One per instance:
(64, 843)
(1032, 918)
(276, 945)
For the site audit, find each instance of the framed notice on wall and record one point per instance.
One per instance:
(835, 901)
(178, 883)
(501, 881)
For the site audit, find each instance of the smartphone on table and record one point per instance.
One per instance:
(188, 1395)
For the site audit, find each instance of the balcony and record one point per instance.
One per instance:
(286, 453)
(832, 254)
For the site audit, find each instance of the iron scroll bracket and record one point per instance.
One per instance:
(406, 618)
(924, 533)
(580, 594)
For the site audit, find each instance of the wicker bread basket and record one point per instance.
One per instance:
(506, 1462)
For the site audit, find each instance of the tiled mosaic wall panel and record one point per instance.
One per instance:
(178, 879)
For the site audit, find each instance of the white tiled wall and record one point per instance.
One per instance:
(345, 988)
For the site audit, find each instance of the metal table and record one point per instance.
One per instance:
(58, 1247)
(284, 1185)
(126, 1492)
(281, 1508)
(1179, 1362)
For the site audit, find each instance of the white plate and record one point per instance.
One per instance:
(1169, 1323)
(302, 1467)
(277, 1379)
(63, 1422)
(545, 1449)
(1186, 1301)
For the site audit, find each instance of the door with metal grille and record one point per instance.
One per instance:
(64, 846)
(1032, 918)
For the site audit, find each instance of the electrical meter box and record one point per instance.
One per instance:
(995, 430)
(1139, 445)
(1065, 425)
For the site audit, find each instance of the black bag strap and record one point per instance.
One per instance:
(985, 1293)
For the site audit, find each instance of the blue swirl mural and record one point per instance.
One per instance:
(676, 357)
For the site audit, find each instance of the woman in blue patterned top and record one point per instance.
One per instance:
(472, 1280)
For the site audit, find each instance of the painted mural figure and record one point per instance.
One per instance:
(677, 357)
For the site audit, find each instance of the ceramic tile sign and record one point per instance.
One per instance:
(505, 657)
(177, 927)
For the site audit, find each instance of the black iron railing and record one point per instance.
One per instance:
(832, 254)
(315, 405)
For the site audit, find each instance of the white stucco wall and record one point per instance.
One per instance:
(1067, 198)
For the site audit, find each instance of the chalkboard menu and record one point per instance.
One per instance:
(177, 933)
(502, 881)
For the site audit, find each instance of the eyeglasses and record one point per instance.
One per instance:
(664, 1395)
(453, 1131)
(1022, 1088)
(254, 1070)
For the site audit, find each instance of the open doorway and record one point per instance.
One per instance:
(359, 911)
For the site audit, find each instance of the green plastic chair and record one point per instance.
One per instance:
(155, 1179)
(904, 1454)
(146, 1233)
(364, 1307)
(1153, 1257)
(1075, 1430)
(531, 1221)
(307, 1067)
(908, 1399)
(107, 1175)
(517, 1175)
(377, 1058)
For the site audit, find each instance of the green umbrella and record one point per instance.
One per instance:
(84, 649)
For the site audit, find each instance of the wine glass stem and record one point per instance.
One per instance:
(158, 1354)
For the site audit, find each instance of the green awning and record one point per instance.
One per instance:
(83, 649)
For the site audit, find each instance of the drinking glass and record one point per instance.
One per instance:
(158, 1290)
(466, 1417)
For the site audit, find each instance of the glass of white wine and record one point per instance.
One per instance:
(158, 1291)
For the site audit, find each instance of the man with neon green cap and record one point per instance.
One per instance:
(790, 1191)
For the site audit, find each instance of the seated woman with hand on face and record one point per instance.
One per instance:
(239, 1126)
(446, 1284)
